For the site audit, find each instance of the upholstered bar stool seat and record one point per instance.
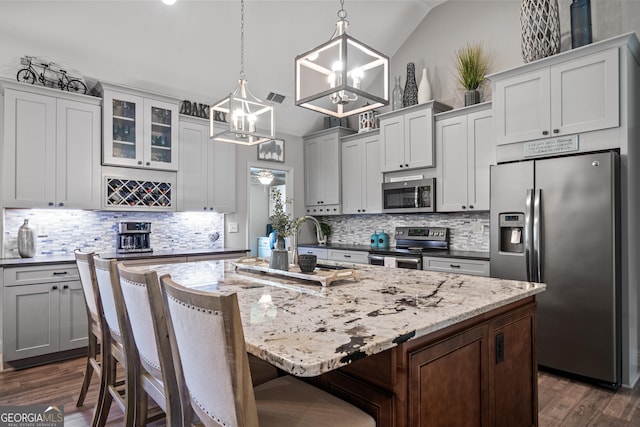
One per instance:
(287, 401)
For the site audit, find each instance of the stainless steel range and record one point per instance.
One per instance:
(411, 244)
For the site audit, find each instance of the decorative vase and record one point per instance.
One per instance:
(424, 89)
(580, 23)
(410, 96)
(26, 240)
(471, 97)
(540, 24)
(396, 95)
(279, 255)
(383, 240)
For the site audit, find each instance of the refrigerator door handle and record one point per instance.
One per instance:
(537, 235)
(528, 241)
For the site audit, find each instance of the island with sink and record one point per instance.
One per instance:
(409, 347)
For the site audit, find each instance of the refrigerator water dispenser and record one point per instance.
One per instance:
(511, 232)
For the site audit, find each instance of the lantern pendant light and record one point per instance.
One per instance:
(250, 120)
(343, 76)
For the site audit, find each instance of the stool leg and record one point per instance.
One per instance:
(88, 372)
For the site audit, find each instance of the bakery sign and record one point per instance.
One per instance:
(195, 109)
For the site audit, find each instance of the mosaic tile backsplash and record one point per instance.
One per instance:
(467, 231)
(60, 232)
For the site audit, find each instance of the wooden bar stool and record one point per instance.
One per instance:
(84, 261)
(207, 340)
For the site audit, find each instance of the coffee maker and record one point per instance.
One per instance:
(134, 237)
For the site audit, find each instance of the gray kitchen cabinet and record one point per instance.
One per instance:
(465, 146)
(406, 137)
(358, 257)
(207, 172)
(361, 175)
(51, 148)
(140, 128)
(44, 311)
(320, 253)
(542, 100)
(456, 265)
(322, 180)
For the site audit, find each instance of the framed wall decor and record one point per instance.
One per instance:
(272, 150)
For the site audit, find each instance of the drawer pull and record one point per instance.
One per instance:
(54, 287)
(346, 256)
(59, 273)
(454, 265)
(65, 287)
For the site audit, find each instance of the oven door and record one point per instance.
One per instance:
(411, 262)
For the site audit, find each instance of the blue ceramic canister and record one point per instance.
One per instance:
(374, 239)
(383, 240)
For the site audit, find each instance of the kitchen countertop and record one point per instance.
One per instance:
(306, 329)
(57, 259)
(483, 256)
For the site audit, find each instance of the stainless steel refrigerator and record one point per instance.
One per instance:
(556, 221)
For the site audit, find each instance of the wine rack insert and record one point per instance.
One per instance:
(138, 193)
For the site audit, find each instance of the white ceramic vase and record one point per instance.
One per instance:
(424, 88)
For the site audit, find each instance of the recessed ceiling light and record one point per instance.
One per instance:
(169, 2)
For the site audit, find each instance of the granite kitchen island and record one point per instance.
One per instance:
(410, 347)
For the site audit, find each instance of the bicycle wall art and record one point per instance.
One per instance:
(48, 74)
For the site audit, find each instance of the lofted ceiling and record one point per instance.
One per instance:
(191, 50)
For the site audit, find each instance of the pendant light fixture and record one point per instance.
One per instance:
(250, 120)
(265, 177)
(343, 76)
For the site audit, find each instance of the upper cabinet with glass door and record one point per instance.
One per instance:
(140, 129)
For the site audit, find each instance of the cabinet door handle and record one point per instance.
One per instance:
(59, 273)
(454, 265)
(61, 204)
(148, 163)
(406, 165)
(65, 287)
(50, 203)
(401, 166)
(470, 206)
(556, 131)
(346, 256)
(464, 207)
(545, 132)
(54, 287)
(139, 162)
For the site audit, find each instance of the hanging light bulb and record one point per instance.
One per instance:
(331, 77)
(250, 120)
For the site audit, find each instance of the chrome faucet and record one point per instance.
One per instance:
(322, 239)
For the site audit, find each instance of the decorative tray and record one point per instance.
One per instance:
(324, 277)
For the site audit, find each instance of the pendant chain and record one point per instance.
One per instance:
(242, 39)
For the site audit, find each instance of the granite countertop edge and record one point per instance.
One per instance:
(57, 259)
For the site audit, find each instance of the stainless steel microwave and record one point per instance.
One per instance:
(409, 196)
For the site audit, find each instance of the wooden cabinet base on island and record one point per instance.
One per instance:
(480, 372)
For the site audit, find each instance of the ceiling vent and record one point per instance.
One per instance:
(275, 97)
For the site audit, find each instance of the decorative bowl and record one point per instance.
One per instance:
(307, 262)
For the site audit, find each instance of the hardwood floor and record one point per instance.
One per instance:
(58, 384)
(562, 402)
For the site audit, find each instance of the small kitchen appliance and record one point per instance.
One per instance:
(410, 196)
(411, 244)
(134, 237)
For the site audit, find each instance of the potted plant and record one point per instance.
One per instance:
(283, 225)
(472, 65)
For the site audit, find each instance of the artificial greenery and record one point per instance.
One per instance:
(281, 222)
(472, 65)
